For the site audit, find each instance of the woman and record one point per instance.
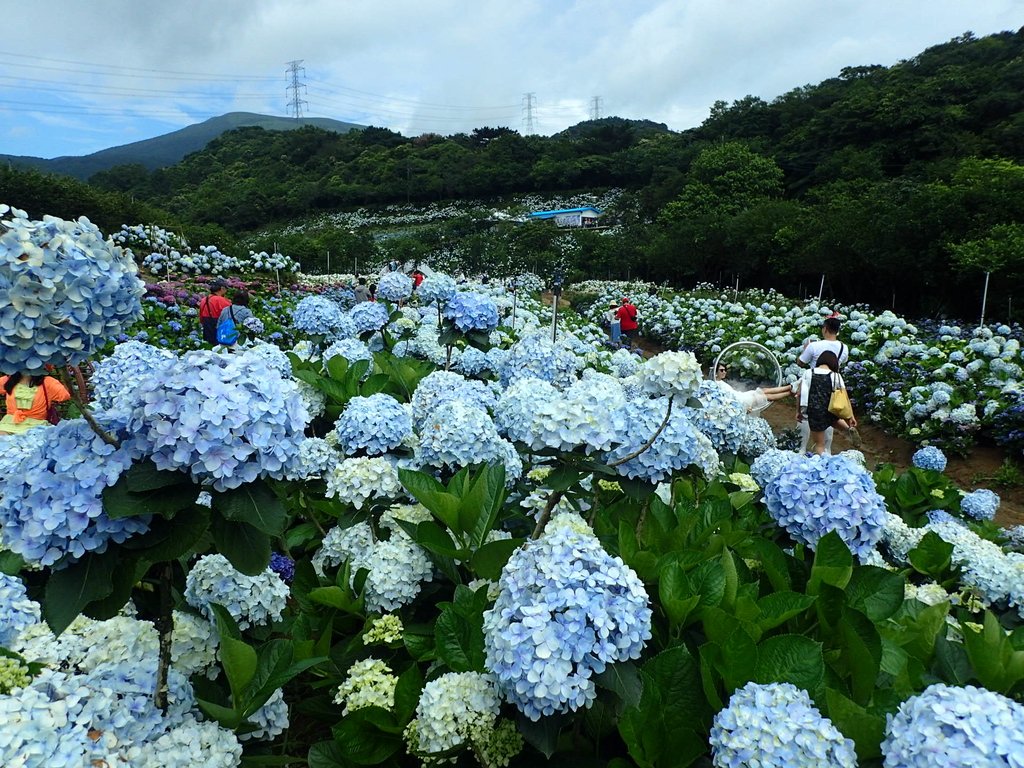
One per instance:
(816, 388)
(754, 398)
(28, 399)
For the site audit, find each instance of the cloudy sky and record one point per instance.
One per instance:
(78, 76)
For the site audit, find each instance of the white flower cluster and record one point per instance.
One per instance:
(459, 711)
(251, 600)
(369, 683)
(269, 262)
(206, 260)
(356, 481)
(386, 629)
(671, 374)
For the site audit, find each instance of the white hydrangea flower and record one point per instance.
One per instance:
(359, 479)
(369, 683)
(251, 600)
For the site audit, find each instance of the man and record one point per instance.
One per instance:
(361, 291)
(828, 342)
(210, 309)
(627, 320)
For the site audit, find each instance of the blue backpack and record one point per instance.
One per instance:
(227, 333)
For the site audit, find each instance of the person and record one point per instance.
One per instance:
(373, 292)
(393, 265)
(238, 310)
(816, 388)
(210, 309)
(361, 292)
(417, 279)
(28, 399)
(753, 398)
(828, 342)
(614, 324)
(626, 315)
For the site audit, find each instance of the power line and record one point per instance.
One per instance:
(118, 68)
(595, 108)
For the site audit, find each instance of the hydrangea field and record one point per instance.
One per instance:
(430, 530)
(932, 383)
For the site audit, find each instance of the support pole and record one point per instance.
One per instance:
(984, 299)
(821, 288)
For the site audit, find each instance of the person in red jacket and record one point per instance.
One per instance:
(210, 309)
(627, 319)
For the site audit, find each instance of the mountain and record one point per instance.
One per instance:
(170, 148)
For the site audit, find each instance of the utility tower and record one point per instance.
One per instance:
(595, 108)
(295, 100)
(529, 102)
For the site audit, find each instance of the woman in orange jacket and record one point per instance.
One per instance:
(28, 399)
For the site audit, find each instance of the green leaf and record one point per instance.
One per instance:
(239, 661)
(622, 679)
(833, 563)
(226, 716)
(11, 563)
(247, 548)
(432, 495)
(775, 564)
(855, 722)
(123, 580)
(327, 754)
(489, 559)
(253, 503)
(933, 556)
(861, 653)
(337, 597)
(407, 693)
(636, 488)
(170, 539)
(362, 739)
(874, 591)
(790, 659)
(459, 631)
(70, 589)
(779, 607)
(674, 591)
(144, 490)
(543, 734)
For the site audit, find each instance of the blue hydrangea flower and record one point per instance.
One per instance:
(374, 425)
(949, 726)
(776, 725)
(51, 485)
(472, 362)
(394, 286)
(679, 445)
(929, 457)
(981, 504)
(16, 610)
(814, 495)
(251, 600)
(437, 287)
(769, 464)
(283, 566)
(722, 419)
(368, 316)
(351, 349)
(472, 312)
(65, 291)
(118, 374)
(566, 609)
(438, 389)
(227, 419)
(317, 316)
(535, 356)
(458, 435)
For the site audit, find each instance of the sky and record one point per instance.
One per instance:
(77, 76)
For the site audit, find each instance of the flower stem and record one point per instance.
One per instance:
(542, 521)
(165, 626)
(650, 442)
(78, 395)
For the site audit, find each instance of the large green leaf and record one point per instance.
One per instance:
(833, 563)
(790, 659)
(779, 607)
(253, 503)
(144, 490)
(367, 736)
(169, 539)
(874, 591)
(855, 722)
(488, 561)
(622, 679)
(432, 495)
(932, 556)
(246, 547)
(70, 589)
(459, 631)
(861, 653)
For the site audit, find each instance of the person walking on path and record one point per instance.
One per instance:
(28, 400)
(816, 387)
(210, 309)
(238, 312)
(627, 320)
(361, 292)
(614, 325)
(829, 342)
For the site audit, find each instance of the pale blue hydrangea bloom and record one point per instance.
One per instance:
(814, 495)
(374, 425)
(472, 362)
(722, 418)
(355, 481)
(981, 504)
(251, 600)
(436, 287)
(273, 357)
(929, 457)
(225, 419)
(456, 436)
(16, 611)
(566, 609)
(950, 727)
(776, 725)
(624, 363)
(188, 744)
(770, 463)
(394, 286)
(535, 356)
(678, 446)
(472, 311)
(440, 388)
(317, 316)
(350, 349)
(368, 316)
(117, 375)
(316, 458)
(51, 485)
(271, 720)
(757, 437)
(671, 373)
(64, 291)
(396, 567)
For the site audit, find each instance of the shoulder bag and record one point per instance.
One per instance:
(839, 402)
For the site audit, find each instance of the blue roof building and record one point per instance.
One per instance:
(586, 216)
